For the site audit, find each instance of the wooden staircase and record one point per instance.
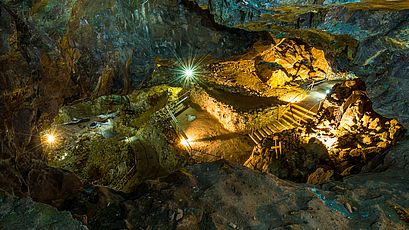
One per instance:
(293, 117)
(173, 110)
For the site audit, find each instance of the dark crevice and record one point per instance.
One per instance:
(208, 19)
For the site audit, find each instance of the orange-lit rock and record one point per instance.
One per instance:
(278, 78)
(287, 60)
(352, 134)
(320, 176)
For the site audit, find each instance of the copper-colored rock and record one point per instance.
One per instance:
(320, 176)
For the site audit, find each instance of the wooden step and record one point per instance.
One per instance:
(287, 123)
(301, 113)
(267, 130)
(291, 119)
(254, 139)
(279, 126)
(261, 131)
(273, 128)
(258, 135)
(284, 126)
(298, 107)
(298, 117)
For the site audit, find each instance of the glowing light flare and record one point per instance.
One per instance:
(189, 73)
(50, 138)
(188, 70)
(329, 142)
(294, 97)
(318, 95)
(184, 142)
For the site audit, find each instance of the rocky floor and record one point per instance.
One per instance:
(59, 54)
(345, 137)
(109, 141)
(210, 141)
(222, 195)
(23, 213)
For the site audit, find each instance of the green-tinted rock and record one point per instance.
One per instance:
(23, 214)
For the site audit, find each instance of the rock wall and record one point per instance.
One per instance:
(36, 215)
(53, 53)
(221, 195)
(232, 118)
(169, 157)
(116, 141)
(369, 38)
(347, 136)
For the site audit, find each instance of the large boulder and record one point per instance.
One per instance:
(346, 136)
(368, 38)
(63, 52)
(222, 195)
(23, 213)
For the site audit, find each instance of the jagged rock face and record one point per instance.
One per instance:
(360, 132)
(220, 195)
(347, 136)
(111, 141)
(79, 48)
(23, 213)
(369, 38)
(289, 60)
(52, 53)
(347, 110)
(300, 14)
(122, 39)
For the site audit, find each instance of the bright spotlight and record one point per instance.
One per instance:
(188, 70)
(184, 142)
(318, 95)
(329, 142)
(50, 138)
(293, 97)
(189, 73)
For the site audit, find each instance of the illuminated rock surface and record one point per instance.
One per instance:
(76, 60)
(114, 141)
(373, 43)
(346, 135)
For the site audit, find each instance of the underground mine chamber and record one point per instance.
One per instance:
(190, 115)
